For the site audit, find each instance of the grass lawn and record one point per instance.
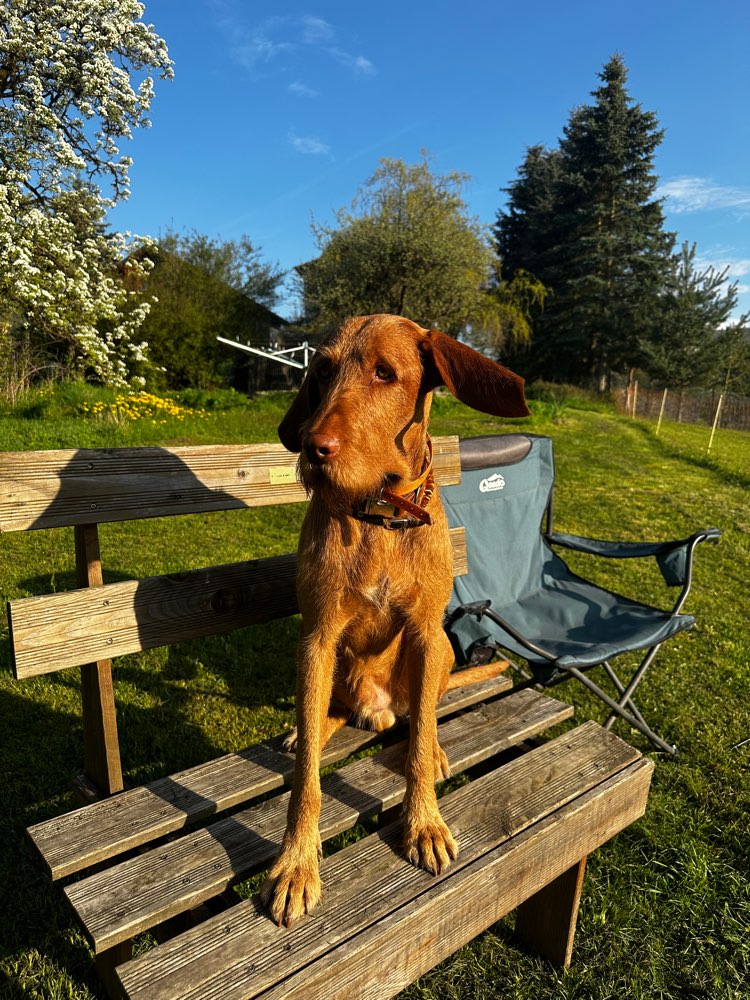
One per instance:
(666, 905)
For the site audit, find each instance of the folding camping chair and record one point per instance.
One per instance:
(520, 596)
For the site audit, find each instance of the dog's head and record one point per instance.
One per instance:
(360, 416)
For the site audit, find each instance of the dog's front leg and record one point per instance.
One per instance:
(293, 885)
(428, 843)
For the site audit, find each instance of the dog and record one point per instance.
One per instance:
(375, 572)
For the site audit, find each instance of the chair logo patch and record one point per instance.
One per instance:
(492, 483)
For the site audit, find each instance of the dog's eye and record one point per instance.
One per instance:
(324, 372)
(384, 374)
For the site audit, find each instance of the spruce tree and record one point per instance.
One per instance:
(522, 232)
(695, 308)
(598, 242)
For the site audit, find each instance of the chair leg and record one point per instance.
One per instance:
(546, 922)
(623, 713)
(626, 692)
(629, 704)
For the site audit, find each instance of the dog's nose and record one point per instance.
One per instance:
(321, 448)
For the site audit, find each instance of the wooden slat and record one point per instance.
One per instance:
(68, 629)
(105, 829)
(383, 922)
(388, 956)
(50, 489)
(137, 894)
(460, 557)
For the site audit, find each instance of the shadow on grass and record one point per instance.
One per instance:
(727, 476)
(40, 748)
(206, 609)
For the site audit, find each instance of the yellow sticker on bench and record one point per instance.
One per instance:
(281, 474)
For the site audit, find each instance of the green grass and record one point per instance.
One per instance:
(666, 907)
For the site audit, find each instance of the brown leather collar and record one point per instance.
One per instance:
(407, 509)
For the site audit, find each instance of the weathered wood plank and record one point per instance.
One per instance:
(101, 749)
(134, 895)
(51, 489)
(389, 956)
(382, 922)
(546, 921)
(102, 830)
(57, 631)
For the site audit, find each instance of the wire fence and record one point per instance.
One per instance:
(686, 406)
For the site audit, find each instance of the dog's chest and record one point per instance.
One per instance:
(378, 595)
(377, 580)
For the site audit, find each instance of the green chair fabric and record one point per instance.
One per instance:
(540, 610)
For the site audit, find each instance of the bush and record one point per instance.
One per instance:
(563, 396)
(210, 399)
(53, 400)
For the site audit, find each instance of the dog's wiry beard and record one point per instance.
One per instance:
(331, 485)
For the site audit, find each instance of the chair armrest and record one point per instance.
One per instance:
(674, 557)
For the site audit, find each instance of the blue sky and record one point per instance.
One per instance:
(278, 112)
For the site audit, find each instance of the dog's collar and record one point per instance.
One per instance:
(407, 509)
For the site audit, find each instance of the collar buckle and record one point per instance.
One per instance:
(395, 511)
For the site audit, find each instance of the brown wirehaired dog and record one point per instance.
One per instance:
(375, 571)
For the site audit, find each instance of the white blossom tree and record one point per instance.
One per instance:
(76, 78)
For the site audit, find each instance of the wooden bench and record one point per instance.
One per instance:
(159, 858)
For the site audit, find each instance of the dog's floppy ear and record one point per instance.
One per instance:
(304, 404)
(474, 379)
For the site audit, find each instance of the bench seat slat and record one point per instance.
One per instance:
(105, 829)
(409, 941)
(555, 804)
(52, 489)
(139, 893)
(71, 628)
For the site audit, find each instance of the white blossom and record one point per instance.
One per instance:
(75, 80)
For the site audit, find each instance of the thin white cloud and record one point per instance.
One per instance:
(700, 194)
(735, 267)
(315, 29)
(286, 34)
(738, 268)
(358, 64)
(301, 90)
(261, 44)
(309, 145)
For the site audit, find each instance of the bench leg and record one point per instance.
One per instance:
(101, 747)
(546, 922)
(106, 963)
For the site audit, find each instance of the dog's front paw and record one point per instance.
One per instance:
(291, 890)
(430, 845)
(290, 741)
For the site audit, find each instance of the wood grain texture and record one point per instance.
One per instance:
(390, 955)
(105, 829)
(546, 921)
(101, 747)
(51, 489)
(382, 922)
(134, 895)
(58, 631)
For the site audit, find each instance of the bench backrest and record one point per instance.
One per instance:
(89, 626)
(52, 489)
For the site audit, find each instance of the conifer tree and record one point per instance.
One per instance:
(522, 232)
(586, 222)
(695, 307)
